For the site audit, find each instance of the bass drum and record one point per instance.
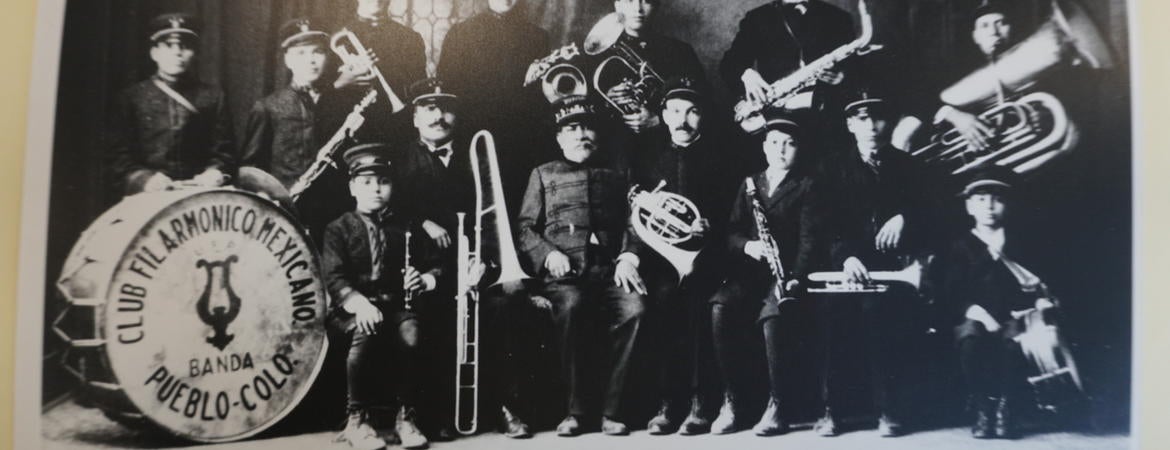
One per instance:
(199, 312)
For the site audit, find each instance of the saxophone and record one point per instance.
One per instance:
(765, 235)
(750, 113)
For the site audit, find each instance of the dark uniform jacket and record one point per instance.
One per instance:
(775, 39)
(965, 274)
(428, 190)
(348, 261)
(279, 136)
(858, 201)
(402, 60)
(790, 217)
(566, 203)
(151, 132)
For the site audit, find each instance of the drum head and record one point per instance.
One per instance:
(213, 316)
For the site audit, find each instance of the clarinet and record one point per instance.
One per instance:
(407, 294)
(772, 253)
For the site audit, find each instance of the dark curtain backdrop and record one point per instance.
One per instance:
(105, 49)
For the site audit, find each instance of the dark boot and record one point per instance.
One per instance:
(771, 423)
(661, 423)
(984, 417)
(726, 421)
(1005, 426)
(697, 421)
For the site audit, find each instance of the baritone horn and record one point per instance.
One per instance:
(467, 292)
(351, 51)
(1031, 129)
(558, 78)
(663, 220)
(625, 67)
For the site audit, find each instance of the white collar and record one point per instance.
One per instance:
(994, 239)
(448, 146)
(775, 176)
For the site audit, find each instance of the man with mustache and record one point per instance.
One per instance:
(669, 57)
(878, 213)
(435, 177)
(171, 127)
(685, 155)
(573, 234)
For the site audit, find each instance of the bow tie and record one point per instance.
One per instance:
(442, 152)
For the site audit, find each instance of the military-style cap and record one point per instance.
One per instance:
(777, 120)
(994, 179)
(986, 7)
(429, 90)
(368, 159)
(298, 31)
(573, 108)
(682, 87)
(864, 98)
(182, 25)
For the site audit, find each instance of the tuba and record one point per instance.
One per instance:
(663, 221)
(467, 293)
(558, 78)
(625, 67)
(882, 280)
(351, 51)
(1031, 129)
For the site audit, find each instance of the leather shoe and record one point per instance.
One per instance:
(513, 426)
(569, 427)
(696, 422)
(888, 427)
(826, 426)
(613, 428)
(725, 422)
(1005, 426)
(984, 411)
(771, 423)
(661, 424)
(407, 431)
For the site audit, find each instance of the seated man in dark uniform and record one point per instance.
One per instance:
(573, 229)
(364, 263)
(172, 127)
(979, 278)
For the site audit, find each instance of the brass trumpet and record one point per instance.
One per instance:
(351, 51)
(467, 293)
(882, 280)
(626, 66)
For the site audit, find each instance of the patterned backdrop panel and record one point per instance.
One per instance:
(432, 19)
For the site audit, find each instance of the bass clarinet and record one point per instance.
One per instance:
(772, 250)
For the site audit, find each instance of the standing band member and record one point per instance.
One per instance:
(784, 193)
(877, 209)
(686, 158)
(363, 260)
(669, 57)
(435, 174)
(980, 280)
(172, 127)
(573, 228)
(280, 136)
(484, 61)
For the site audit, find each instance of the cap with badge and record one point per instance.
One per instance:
(777, 120)
(997, 180)
(865, 98)
(365, 159)
(301, 31)
(174, 24)
(573, 108)
(683, 88)
(429, 90)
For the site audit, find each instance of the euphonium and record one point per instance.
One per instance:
(838, 282)
(351, 51)
(467, 293)
(750, 114)
(663, 221)
(626, 66)
(1032, 129)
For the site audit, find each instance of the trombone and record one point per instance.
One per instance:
(467, 293)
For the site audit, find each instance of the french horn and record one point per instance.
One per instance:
(663, 220)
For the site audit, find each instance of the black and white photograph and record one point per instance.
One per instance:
(585, 224)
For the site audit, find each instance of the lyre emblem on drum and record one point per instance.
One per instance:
(219, 316)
